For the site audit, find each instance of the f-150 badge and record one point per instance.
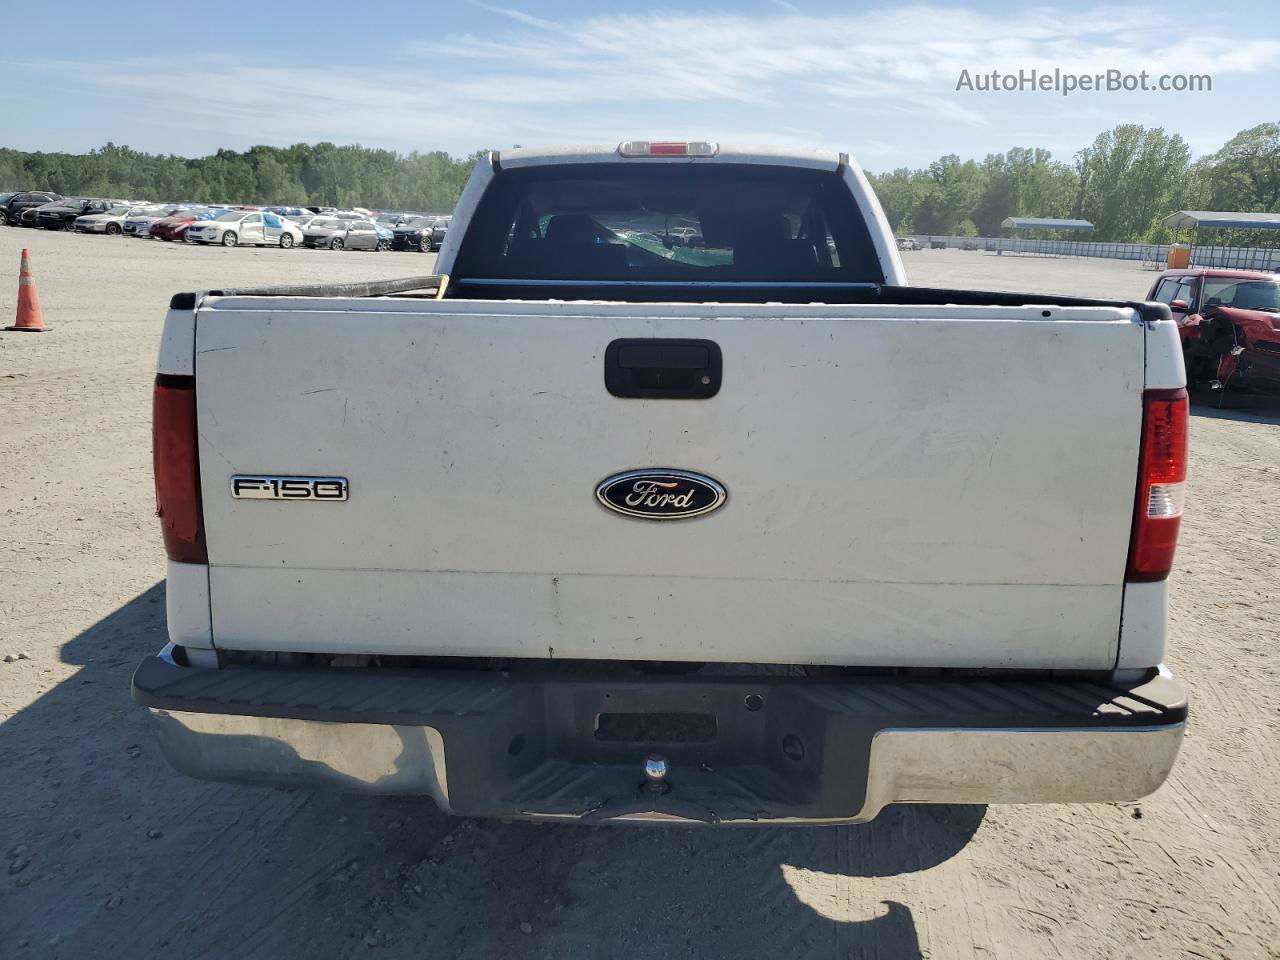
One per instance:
(270, 487)
(661, 494)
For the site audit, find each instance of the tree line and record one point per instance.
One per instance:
(320, 174)
(1125, 182)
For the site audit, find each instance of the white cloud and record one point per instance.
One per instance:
(913, 52)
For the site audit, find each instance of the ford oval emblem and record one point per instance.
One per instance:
(661, 494)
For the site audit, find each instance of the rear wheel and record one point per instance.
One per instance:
(286, 240)
(69, 224)
(336, 243)
(383, 246)
(424, 245)
(113, 229)
(229, 239)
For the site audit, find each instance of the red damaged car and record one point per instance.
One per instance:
(175, 227)
(1229, 324)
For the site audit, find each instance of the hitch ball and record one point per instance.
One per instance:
(655, 775)
(655, 768)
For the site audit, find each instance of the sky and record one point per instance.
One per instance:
(876, 79)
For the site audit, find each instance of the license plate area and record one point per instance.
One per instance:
(688, 722)
(731, 749)
(652, 728)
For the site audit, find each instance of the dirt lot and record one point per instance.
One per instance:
(110, 854)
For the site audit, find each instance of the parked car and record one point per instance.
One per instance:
(62, 214)
(251, 227)
(685, 237)
(12, 209)
(334, 234)
(439, 230)
(30, 217)
(109, 221)
(174, 226)
(139, 226)
(908, 243)
(414, 234)
(899, 591)
(1228, 325)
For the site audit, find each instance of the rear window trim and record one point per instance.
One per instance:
(696, 284)
(865, 260)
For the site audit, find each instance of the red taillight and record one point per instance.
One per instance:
(177, 468)
(1162, 476)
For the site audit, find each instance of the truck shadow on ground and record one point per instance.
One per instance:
(120, 856)
(1248, 408)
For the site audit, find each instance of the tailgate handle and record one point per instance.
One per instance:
(658, 369)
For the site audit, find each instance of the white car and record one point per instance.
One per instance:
(255, 227)
(110, 221)
(139, 224)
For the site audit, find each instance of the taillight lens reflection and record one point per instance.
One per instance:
(1162, 476)
(177, 468)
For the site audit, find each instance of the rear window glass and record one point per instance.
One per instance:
(1245, 294)
(660, 223)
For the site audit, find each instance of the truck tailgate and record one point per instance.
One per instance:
(907, 486)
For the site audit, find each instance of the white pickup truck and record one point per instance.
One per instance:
(596, 524)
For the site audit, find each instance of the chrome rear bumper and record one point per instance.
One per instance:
(488, 745)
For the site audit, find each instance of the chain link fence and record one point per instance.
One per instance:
(1153, 255)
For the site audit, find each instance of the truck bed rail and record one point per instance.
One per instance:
(837, 293)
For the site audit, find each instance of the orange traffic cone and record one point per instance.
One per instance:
(29, 316)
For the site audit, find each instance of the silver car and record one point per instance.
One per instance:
(333, 234)
(111, 220)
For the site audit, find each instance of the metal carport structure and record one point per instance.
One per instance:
(1040, 246)
(1235, 256)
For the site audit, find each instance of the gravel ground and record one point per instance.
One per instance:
(107, 853)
